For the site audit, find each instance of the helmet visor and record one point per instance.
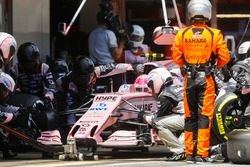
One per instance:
(242, 56)
(136, 38)
(31, 67)
(4, 92)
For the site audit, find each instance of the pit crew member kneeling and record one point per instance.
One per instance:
(169, 119)
(8, 113)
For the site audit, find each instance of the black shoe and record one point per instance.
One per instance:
(226, 160)
(176, 157)
(200, 160)
(190, 159)
(214, 150)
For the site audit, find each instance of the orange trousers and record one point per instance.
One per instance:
(199, 98)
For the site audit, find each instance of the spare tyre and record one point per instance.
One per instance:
(227, 116)
(238, 146)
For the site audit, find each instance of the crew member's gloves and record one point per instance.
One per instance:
(6, 117)
(24, 111)
(48, 100)
(139, 68)
(150, 119)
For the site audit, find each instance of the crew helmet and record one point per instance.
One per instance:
(240, 72)
(83, 66)
(8, 47)
(28, 56)
(157, 78)
(84, 74)
(244, 50)
(199, 10)
(105, 15)
(136, 38)
(7, 81)
(29, 52)
(149, 66)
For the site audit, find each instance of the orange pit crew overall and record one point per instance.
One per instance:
(194, 48)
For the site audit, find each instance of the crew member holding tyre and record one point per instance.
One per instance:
(198, 49)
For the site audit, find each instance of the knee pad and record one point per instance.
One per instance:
(203, 122)
(190, 124)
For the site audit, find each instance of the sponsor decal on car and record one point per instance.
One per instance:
(99, 107)
(145, 106)
(105, 98)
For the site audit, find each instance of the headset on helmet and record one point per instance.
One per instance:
(136, 38)
(7, 81)
(8, 47)
(199, 10)
(244, 51)
(157, 78)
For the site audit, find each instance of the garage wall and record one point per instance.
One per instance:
(88, 16)
(31, 23)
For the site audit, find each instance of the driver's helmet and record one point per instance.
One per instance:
(8, 48)
(244, 51)
(140, 84)
(28, 56)
(83, 71)
(157, 78)
(7, 85)
(199, 10)
(136, 38)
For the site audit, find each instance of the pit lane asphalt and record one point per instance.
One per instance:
(138, 162)
(154, 158)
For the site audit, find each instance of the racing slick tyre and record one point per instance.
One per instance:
(22, 99)
(238, 146)
(227, 116)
